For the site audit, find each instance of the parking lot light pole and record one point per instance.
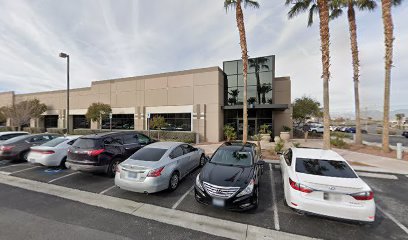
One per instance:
(64, 55)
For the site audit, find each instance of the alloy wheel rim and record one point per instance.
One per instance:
(174, 181)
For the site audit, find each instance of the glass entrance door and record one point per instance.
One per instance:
(252, 127)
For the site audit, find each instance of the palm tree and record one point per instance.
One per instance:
(351, 15)
(239, 15)
(258, 64)
(322, 8)
(389, 38)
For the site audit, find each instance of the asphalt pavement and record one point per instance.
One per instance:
(377, 138)
(31, 215)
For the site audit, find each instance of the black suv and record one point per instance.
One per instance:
(231, 177)
(102, 152)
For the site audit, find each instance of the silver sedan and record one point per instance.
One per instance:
(158, 166)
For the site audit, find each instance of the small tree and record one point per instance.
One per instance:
(158, 123)
(305, 108)
(229, 132)
(97, 111)
(21, 113)
(399, 117)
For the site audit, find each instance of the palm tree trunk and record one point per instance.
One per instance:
(242, 40)
(356, 69)
(388, 32)
(325, 43)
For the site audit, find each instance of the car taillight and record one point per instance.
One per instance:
(43, 151)
(363, 196)
(299, 187)
(6, 148)
(155, 172)
(94, 153)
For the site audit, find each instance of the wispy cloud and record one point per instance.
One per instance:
(112, 39)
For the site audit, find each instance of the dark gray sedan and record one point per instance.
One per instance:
(17, 148)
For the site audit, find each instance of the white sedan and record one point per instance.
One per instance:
(52, 153)
(322, 182)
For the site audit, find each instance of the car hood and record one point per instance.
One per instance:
(226, 176)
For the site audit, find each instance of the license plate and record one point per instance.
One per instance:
(332, 197)
(133, 175)
(218, 202)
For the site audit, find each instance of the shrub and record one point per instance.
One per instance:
(86, 131)
(296, 144)
(279, 145)
(264, 129)
(57, 130)
(338, 142)
(229, 133)
(33, 130)
(175, 136)
(286, 128)
(6, 129)
(391, 132)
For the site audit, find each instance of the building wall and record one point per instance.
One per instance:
(200, 88)
(282, 95)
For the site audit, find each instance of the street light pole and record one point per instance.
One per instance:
(64, 55)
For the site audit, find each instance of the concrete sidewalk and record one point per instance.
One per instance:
(374, 163)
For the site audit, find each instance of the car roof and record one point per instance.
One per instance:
(164, 145)
(11, 132)
(106, 134)
(316, 153)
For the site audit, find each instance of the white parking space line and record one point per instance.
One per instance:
(275, 205)
(21, 164)
(58, 178)
(399, 224)
(377, 175)
(182, 198)
(26, 169)
(107, 190)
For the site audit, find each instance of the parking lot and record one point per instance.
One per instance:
(391, 198)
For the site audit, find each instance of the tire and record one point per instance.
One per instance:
(202, 160)
(174, 181)
(314, 131)
(256, 202)
(24, 156)
(112, 167)
(62, 164)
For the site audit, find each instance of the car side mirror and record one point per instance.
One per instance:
(260, 162)
(280, 153)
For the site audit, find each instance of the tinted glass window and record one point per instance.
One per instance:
(231, 67)
(177, 152)
(87, 143)
(149, 154)
(38, 139)
(288, 157)
(187, 149)
(232, 157)
(54, 142)
(5, 137)
(130, 139)
(328, 168)
(16, 139)
(143, 139)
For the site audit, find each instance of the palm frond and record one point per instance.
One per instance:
(335, 13)
(367, 4)
(298, 7)
(396, 2)
(251, 3)
(313, 9)
(230, 4)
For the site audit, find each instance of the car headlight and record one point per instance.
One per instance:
(248, 189)
(198, 183)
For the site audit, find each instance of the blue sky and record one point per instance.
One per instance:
(112, 39)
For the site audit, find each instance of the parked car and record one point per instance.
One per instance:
(52, 153)
(405, 134)
(321, 182)
(230, 179)
(353, 130)
(333, 128)
(102, 152)
(17, 148)
(158, 166)
(4, 136)
(317, 129)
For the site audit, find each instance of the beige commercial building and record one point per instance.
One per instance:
(196, 100)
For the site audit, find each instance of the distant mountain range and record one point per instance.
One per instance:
(375, 114)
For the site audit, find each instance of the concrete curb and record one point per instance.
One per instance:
(206, 224)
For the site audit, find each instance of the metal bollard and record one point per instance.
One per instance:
(399, 151)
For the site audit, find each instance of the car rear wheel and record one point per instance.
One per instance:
(174, 181)
(112, 167)
(62, 164)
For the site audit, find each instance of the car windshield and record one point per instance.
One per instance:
(15, 139)
(327, 168)
(54, 142)
(232, 157)
(149, 154)
(87, 143)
